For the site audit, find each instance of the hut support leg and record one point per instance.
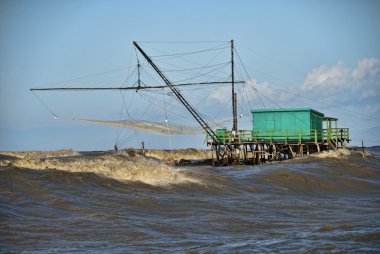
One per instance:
(290, 152)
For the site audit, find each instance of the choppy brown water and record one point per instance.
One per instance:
(72, 202)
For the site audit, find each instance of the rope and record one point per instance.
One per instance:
(189, 53)
(44, 104)
(86, 76)
(123, 105)
(182, 42)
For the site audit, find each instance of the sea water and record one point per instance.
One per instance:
(114, 203)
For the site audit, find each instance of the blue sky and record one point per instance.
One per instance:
(326, 53)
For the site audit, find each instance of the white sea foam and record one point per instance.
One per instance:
(339, 153)
(120, 167)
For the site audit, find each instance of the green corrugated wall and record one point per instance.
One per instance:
(282, 124)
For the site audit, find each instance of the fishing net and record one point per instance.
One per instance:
(161, 128)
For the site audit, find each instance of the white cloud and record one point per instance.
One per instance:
(341, 83)
(368, 68)
(330, 78)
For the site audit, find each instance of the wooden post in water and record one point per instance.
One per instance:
(142, 148)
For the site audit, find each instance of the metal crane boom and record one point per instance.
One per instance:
(177, 93)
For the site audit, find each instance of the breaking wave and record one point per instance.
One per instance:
(334, 171)
(117, 166)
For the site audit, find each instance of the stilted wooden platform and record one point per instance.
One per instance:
(245, 147)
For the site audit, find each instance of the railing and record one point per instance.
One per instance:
(283, 136)
(336, 134)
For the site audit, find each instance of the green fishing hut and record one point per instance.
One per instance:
(287, 124)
